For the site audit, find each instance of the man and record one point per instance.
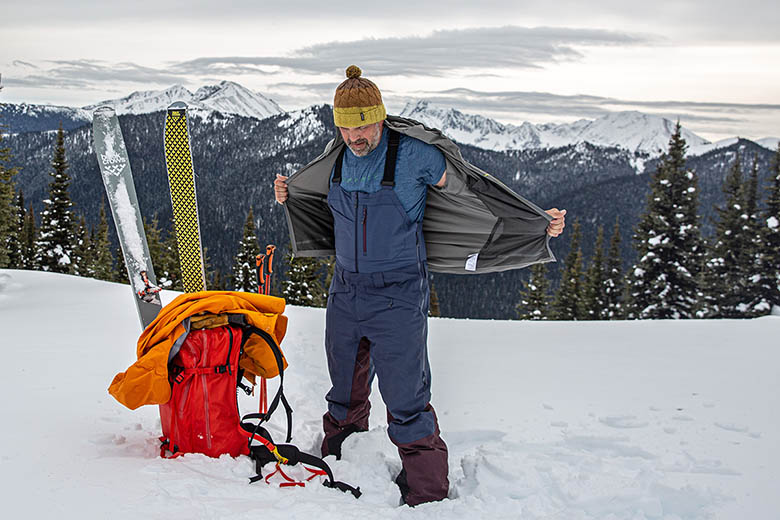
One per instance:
(376, 320)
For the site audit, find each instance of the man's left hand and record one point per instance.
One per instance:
(555, 227)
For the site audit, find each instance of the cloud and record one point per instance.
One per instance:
(436, 54)
(20, 63)
(588, 106)
(712, 118)
(439, 53)
(87, 74)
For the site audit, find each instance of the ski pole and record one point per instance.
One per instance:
(268, 269)
(261, 289)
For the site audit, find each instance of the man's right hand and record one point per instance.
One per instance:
(280, 188)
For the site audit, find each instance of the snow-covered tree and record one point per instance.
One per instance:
(535, 296)
(770, 237)
(102, 260)
(594, 301)
(729, 256)
(304, 282)
(567, 304)
(753, 303)
(28, 240)
(54, 248)
(244, 270)
(663, 282)
(613, 278)
(82, 259)
(164, 254)
(14, 242)
(8, 204)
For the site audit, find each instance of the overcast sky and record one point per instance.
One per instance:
(713, 64)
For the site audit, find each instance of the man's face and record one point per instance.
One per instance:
(363, 139)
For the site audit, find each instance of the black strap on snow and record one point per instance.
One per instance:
(388, 179)
(262, 456)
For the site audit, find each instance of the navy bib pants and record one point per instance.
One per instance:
(376, 324)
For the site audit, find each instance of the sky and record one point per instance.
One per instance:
(714, 65)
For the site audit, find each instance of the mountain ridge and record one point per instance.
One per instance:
(645, 136)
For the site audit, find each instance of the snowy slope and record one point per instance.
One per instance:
(630, 130)
(567, 421)
(226, 97)
(769, 142)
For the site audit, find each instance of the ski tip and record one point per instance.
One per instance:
(104, 111)
(177, 105)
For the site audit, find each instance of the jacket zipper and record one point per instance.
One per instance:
(365, 218)
(357, 198)
(204, 382)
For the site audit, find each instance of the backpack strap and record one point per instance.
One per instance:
(290, 455)
(390, 158)
(279, 397)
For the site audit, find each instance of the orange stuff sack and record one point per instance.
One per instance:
(147, 380)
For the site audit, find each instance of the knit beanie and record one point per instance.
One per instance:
(357, 102)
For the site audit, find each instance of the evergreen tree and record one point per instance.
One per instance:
(535, 296)
(103, 262)
(120, 273)
(29, 239)
(663, 283)
(770, 238)
(304, 282)
(244, 270)
(15, 252)
(613, 278)
(218, 281)
(8, 211)
(81, 264)
(567, 304)
(170, 267)
(434, 308)
(54, 250)
(752, 298)
(157, 251)
(723, 278)
(594, 301)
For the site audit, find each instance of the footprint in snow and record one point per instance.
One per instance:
(623, 421)
(732, 427)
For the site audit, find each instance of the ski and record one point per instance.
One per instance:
(120, 189)
(181, 179)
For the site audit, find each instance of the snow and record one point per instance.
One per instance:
(227, 97)
(772, 223)
(636, 132)
(555, 420)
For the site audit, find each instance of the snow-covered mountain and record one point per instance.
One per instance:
(26, 117)
(643, 135)
(631, 130)
(226, 97)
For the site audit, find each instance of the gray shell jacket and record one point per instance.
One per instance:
(474, 224)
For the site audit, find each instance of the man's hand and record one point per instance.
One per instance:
(280, 188)
(555, 227)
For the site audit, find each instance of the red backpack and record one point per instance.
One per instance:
(202, 415)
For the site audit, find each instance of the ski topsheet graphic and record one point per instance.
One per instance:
(120, 189)
(181, 179)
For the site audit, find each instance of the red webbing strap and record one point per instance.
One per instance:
(291, 482)
(263, 395)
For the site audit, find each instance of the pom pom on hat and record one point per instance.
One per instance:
(358, 101)
(353, 71)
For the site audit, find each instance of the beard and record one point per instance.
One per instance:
(362, 147)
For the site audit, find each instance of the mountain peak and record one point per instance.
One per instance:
(631, 130)
(226, 97)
